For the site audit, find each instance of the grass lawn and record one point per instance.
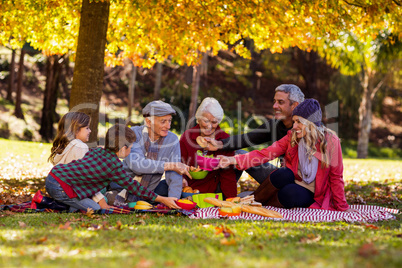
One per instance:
(145, 240)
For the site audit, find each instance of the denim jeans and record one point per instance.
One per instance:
(290, 194)
(56, 191)
(259, 173)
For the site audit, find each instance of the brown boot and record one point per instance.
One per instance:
(267, 194)
(274, 201)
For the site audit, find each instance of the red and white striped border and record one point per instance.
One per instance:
(365, 214)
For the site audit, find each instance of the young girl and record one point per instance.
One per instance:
(72, 133)
(313, 172)
(69, 145)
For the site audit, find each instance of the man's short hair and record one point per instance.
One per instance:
(119, 136)
(295, 93)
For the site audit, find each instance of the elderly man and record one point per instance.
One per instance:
(287, 97)
(156, 152)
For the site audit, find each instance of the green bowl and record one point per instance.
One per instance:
(132, 204)
(198, 175)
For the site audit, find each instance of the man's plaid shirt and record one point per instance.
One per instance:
(93, 172)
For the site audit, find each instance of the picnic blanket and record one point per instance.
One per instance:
(26, 208)
(365, 213)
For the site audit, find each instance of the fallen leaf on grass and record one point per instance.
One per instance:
(370, 226)
(118, 225)
(145, 264)
(140, 222)
(22, 224)
(310, 238)
(131, 241)
(228, 242)
(224, 230)
(66, 226)
(269, 234)
(367, 250)
(41, 240)
(94, 227)
(105, 225)
(90, 213)
(145, 216)
(170, 263)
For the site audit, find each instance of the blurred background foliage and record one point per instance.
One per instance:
(229, 79)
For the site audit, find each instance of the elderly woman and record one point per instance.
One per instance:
(313, 176)
(208, 116)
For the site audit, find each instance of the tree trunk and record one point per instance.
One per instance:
(11, 81)
(188, 75)
(365, 112)
(194, 96)
(87, 85)
(204, 70)
(18, 111)
(65, 79)
(50, 97)
(307, 66)
(257, 69)
(158, 81)
(131, 91)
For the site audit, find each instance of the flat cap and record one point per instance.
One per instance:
(157, 108)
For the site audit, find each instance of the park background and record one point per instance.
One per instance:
(346, 54)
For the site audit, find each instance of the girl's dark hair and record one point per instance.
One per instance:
(68, 127)
(119, 136)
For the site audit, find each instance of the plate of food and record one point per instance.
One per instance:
(198, 173)
(186, 204)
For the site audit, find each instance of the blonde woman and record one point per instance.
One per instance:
(313, 172)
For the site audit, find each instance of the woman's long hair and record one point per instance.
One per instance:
(68, 127)
(313, 135)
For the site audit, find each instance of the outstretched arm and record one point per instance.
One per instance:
(259, 135)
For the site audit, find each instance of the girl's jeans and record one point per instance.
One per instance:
(56, 191)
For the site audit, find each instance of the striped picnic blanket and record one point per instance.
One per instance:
(365, 214)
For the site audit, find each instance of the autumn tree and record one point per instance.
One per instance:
(374, 59)
(148, 31)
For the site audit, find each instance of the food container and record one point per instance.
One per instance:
(199, 199)
(207, 163)
(223, 213)
(186, 205)
(198, 175)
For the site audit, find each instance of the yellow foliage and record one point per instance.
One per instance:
(147, 31)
